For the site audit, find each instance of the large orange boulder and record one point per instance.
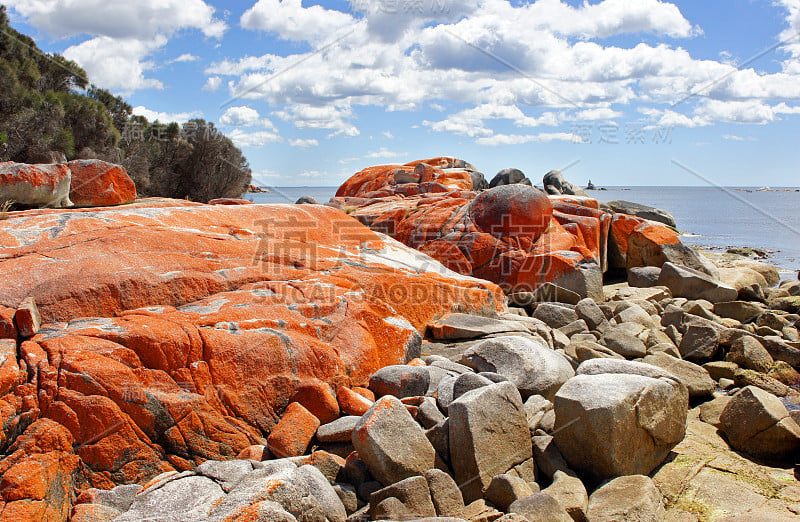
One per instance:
(97, 183)
(514, 235)
(174, 332)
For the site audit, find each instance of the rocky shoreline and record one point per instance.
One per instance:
(422, 347)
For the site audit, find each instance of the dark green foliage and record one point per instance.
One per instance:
(42, 111)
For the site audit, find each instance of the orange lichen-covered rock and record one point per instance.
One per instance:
(175, 332)
(7, 328)
(98, 183)
(353, 403)
(319, 399)
(35, 185)
(39, 474)
(293, 433)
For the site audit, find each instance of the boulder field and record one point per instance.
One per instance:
(152, 337)
(512, 234)
(424, 347)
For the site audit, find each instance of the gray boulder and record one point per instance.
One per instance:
(532, 367)
(642, 211)
(623, 343)
(306, 200)
(540, 506)
(391, 442)
(505, 489)
(187, 498)
(445, 495)
(555, 315)
(400, 380)
(643, 276)
(555, 184)
(697, 380)
(488, 436)
(412, 492)
(693, 284)
(747, 352)
(619, 424)
(757, 423)
(509, 177)
(634, 497)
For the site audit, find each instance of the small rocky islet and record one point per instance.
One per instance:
(427, 345)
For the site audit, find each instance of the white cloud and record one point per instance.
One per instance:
(185, 57)
(142, 19)
(517, 139)
(330, 117)
(122, 35)
(256, 139)
(472, 55)
(291, 21)
(388, 134)
(303, 143)
(117, 64)
(244, 117)
(383, 152)
(733, 137)
(212, 83)
(166, 117)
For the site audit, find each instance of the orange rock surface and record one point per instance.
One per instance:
(98, 183)
(175, 332)
(513, 235)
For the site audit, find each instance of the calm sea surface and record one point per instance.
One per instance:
(710, 217)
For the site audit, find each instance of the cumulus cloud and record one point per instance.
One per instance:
(291, 21)
(185, 57)
(244, 117)
(212, 83)
(117, 64)
(330, 117)
(256, 139)
(122, 35)
(166, 117)
(141, 19)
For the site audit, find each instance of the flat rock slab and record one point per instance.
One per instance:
(707, 480)
(465, 326)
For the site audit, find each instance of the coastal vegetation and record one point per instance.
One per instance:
(50, 111)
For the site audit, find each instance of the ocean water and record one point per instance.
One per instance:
(713, 218)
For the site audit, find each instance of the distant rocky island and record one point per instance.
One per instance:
(427, 345)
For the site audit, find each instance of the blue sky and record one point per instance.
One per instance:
(623, 92)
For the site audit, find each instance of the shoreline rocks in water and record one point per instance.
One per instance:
(171, 360)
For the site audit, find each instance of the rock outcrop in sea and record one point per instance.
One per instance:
(167, 360)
